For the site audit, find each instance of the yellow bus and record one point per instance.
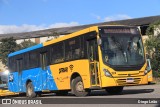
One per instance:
(98, 57)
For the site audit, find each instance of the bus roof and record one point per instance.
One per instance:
(25, 50)
(48, 42)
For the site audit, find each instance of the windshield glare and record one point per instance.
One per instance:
(122, 49)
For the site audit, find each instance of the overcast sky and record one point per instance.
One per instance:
(31, 15)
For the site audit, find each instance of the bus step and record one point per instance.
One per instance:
(95, 87)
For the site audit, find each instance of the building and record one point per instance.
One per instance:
(48, 34)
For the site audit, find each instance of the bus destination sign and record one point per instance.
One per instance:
(122, 30)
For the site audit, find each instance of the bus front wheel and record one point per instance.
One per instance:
(78, 87)
(30, 91)
(114, 90)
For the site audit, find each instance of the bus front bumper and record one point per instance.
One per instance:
(124, 81)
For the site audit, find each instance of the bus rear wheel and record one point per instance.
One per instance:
(30, 91)
(114, 90)
(78, 87)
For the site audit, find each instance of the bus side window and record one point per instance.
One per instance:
(57, 53)
(72, 49)
(26, 61)
(43, 60)
(12, 64)
(33, 61)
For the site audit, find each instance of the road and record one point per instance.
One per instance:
(135, 92)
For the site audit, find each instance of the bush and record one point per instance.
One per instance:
(152, 45)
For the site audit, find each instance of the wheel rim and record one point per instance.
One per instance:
(79, 86)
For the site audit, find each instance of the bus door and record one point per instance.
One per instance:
(92, 49)
(19, 69)
(43, 63)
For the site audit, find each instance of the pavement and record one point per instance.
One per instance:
(97, 98)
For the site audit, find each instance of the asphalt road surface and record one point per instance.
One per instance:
(101, 97)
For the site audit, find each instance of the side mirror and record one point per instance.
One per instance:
(99, 41)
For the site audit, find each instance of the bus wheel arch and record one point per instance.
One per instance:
(77, 85)
(28, 82)
(30, 89)
(73, 76)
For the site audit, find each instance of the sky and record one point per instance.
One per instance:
(31, 15)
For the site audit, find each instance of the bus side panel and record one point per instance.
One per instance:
(62, 73)
(39, 79)
(51, 85)
(13, 85)
(34, 75)
(47, 79)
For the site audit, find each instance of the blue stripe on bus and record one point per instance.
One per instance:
(25, 50)
(41, 80)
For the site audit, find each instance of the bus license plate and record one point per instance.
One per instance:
(129, 80)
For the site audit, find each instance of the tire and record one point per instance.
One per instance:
(30, 90)
(78, 87)
(62, 93)
(114, 90)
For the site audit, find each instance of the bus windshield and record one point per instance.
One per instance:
(122, 49)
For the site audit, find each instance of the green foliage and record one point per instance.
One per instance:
(155, 65)
(158, 73)
(26, 44)
(152, 45)
(153, 42)
(152, 27)
(9, 45)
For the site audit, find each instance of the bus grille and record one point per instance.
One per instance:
(123, 82)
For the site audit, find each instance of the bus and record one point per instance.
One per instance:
(99, 57)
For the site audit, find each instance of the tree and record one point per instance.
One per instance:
(26, 44)
(153, 42)
(7, 45)
(153, 46)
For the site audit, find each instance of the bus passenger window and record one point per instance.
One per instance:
(43, 60)
(57, 53)
(72, 49)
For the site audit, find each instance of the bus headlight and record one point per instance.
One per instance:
(145, 72)
(107, 73)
